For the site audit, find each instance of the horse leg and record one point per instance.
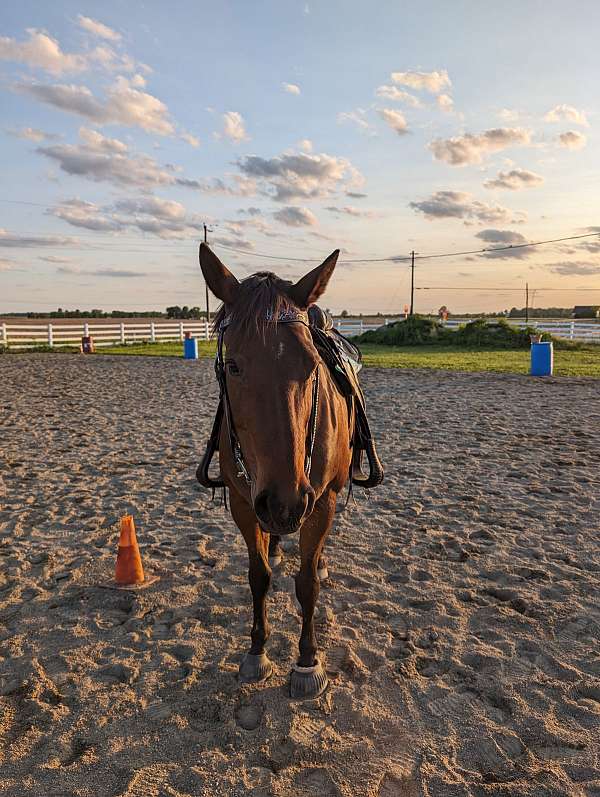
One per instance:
(308, 678)
(275, 550)
(256, 665)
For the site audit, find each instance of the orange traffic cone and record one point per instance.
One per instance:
(129, 568)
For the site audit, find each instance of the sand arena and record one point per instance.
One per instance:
(461, 620)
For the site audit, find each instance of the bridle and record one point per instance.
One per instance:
(288, 316)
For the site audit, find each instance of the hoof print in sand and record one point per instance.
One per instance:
(394, 786)
(317, 781)
(249, 717)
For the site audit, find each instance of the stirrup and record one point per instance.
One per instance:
(375, 476)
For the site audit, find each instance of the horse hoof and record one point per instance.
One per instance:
(307, 683)
(255, 668)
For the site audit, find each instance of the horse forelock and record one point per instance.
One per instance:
(261, 298)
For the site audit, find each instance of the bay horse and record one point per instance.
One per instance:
(285, 446)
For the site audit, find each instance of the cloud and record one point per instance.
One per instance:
(515, 180)
(190, 139)
(55, 259)
(116, 272)
(123, 105)
(296, 217)
(6, 264)
(349, 210)
(356, 117)
(394, 119)
(572, 139)
(397, 95)
(502, 238)
(235, 241)
(291, 88)
(300, 175)
(434, 82)
(305, 144)
(34, 134)
(471, 148)
(161, 217)
(581, 268)
(508, 115)
(238, 185)
(68, 270)
(251, 211)
(461, 205)
(566, 113)
(355, 195)
(87, 215)
(107, 160)
(42, 52)
(98, 29)
(16, 240)
(233, 127)
(445, 103)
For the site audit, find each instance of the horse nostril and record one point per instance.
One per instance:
(261, 506)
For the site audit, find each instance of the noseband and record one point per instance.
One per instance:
(285, 317)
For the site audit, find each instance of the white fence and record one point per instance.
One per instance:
(22, 336)
(588, 332)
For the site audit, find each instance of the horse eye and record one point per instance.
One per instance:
(232, 367)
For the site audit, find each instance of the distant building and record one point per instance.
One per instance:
(583, 311)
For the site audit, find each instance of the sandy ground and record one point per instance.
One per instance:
(461, 620)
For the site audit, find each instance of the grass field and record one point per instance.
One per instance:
(567, 362)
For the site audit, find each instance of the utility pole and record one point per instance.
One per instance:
(412, 282)
(205, 285)
(526, 302)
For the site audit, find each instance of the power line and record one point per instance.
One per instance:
(485, 288)
(398, 259)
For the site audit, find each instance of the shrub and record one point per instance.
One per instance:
(419, 331)
(414, 331)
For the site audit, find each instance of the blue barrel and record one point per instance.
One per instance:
(190, 349)
(542, 359)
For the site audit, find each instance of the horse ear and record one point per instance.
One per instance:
(218, 277)
(307, 290)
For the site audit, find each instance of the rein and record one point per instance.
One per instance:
(286, 317)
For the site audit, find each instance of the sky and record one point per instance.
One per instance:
(291, 129)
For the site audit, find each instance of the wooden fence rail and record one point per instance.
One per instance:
(23, 336)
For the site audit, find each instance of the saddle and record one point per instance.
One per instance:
(344, 360)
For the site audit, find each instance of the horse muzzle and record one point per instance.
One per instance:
(277, 515)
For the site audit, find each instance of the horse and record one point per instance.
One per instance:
(285, 446)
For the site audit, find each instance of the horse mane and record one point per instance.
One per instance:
(261, 298)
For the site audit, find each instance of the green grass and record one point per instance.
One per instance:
(583, 361)
(174, 349)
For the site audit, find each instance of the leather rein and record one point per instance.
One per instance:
(286, 317)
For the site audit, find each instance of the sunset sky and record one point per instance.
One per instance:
(292, 129)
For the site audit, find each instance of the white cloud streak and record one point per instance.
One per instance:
(434, 82)
(572, 139)
(567, 113)
(394, 119)
(98, 29)
(462, 205)
(293, 216)
(471, 148)
(123, 105)
(515, 180)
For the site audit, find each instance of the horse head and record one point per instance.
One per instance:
(271, 378)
